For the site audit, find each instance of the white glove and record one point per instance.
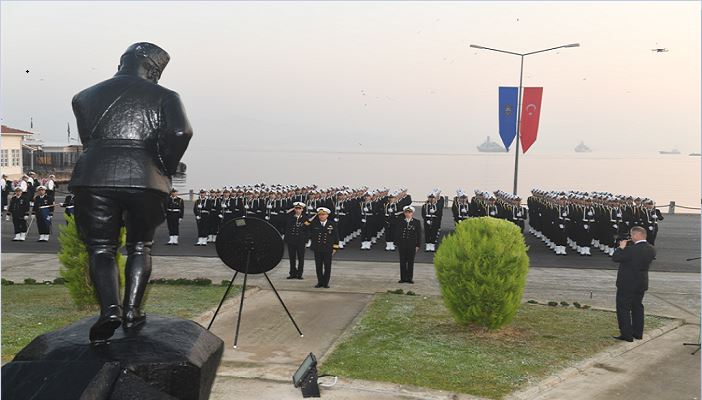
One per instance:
(429, 222)
(7, 218)
(26, 217)
(221, 216)
(48, 218)
(180, 220)
(198, 217)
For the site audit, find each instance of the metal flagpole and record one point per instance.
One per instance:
(519, 119)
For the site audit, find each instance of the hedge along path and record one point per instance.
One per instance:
(481, 268)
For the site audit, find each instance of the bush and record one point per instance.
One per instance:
(7, 282)
(30, 281)
(533, 302)
(565, 304)
(482, 269)
(59, 281)
(552, 303)
(576, 304)
(73, 256)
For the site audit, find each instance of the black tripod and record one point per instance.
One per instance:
(250, 246)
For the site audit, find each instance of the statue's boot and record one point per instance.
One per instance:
(105, 277)
(137, 273)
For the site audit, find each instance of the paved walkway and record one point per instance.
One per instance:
(270, 349)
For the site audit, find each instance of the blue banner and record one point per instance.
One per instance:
(508, 114)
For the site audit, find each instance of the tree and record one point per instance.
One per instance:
(482, 269)
(73, 256)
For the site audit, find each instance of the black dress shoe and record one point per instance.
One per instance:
(318, 285)
(299, 277)
(412, 282)
(106, 325)
(326, 286)
(637, 337)
(133, 317)
(400, 281)
(626, 339)
(290, 277)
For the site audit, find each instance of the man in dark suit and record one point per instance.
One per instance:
(134, 133)
(325, 241)
(408, 232)
(634, 258)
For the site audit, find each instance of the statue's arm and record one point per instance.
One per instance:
(175, 132)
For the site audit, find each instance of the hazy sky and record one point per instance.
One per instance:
(260, 75)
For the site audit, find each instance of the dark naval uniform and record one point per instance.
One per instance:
(69, 205)
(175, 210)
(325, 240)
(296, 236)
(18, 209)
(43, 212)
(407, 234)
(201, 210)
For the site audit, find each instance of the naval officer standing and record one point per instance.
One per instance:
(407, 232)
(325, 241)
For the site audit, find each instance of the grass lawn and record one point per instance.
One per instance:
(30, 310)
(414, 340)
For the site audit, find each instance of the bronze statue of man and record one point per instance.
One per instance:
(134, 133)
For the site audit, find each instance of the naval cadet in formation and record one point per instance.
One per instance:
(43, 210)
(460, 207)
(394, 204)
(201, 210)
(325, 242)
(432, 212)
(175, 211)
(18, 211)
(408, 232)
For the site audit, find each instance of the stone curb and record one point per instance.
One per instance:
(582, 366)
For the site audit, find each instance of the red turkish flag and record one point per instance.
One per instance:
(531, 109)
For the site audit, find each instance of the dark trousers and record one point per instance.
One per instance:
(173, 223)
(20, 225)
(407, 253)
(367, 229)
(296, 252)
(43, 222)
(323, 262)
(432, 231)
(203, 226)
(630, 313)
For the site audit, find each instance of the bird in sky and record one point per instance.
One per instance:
(660, 50)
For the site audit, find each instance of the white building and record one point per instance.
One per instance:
(11, 151)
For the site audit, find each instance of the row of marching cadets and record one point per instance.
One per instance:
(498, 204)
(584, 220)
(20, 208)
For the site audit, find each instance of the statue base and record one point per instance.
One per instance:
(165, 358)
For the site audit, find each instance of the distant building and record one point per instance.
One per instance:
(11, 151)
(57, 157)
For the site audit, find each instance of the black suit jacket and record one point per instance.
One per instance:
(634, 262)
(408, 235)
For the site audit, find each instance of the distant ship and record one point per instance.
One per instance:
(582, 148)
(674, 151)
(491, 147)
(695, 154)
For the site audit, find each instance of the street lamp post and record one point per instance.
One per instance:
(519, 95)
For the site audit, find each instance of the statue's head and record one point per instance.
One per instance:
(144, 59)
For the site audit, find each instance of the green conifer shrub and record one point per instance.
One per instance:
(73, 256)
(482, 269)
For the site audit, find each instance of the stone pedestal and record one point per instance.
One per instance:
(166, 358)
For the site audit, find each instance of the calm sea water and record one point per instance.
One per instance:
(660, 177)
